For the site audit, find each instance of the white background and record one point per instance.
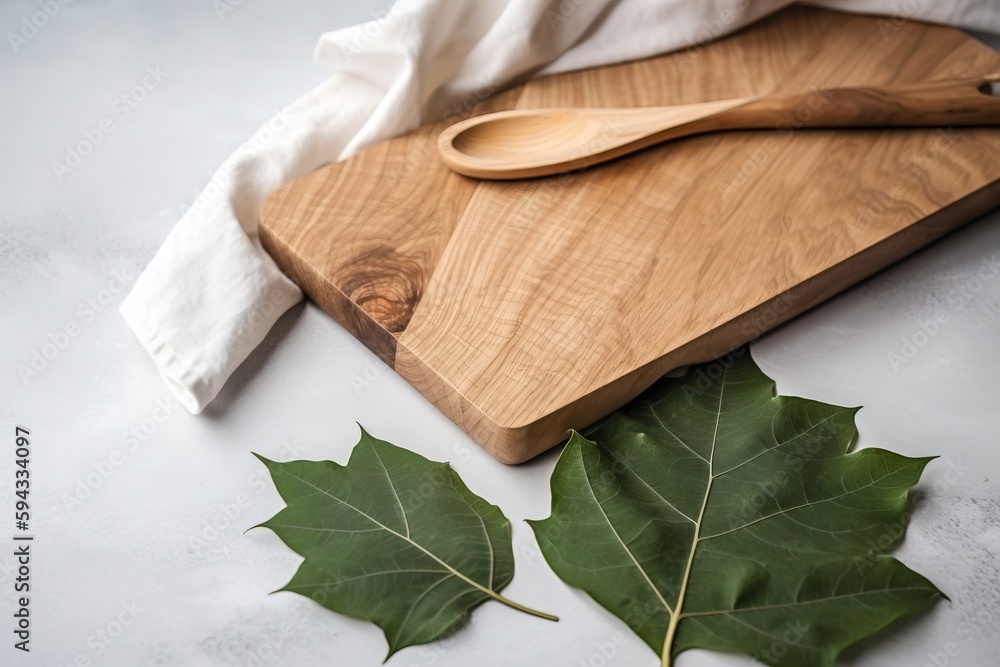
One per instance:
(156, 521)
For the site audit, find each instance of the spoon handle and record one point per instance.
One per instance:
(940, 103)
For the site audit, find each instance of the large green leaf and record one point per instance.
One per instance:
(393, 538)
(712, 513)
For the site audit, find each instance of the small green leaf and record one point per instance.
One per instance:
(711, 513)
(393, 538)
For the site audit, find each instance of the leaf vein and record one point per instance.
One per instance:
(631, 556)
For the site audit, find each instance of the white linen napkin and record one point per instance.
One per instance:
(211, 292)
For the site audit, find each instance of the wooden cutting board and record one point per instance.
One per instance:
(524, 308)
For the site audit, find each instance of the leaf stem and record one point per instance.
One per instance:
(521, 607)
(668, 643)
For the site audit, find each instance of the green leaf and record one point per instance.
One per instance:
(393, 538)
(711, 513)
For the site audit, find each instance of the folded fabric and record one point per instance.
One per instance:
(211, 292)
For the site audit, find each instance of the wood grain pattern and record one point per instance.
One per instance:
(524, 308)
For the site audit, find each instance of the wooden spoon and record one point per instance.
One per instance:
(524, 143)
